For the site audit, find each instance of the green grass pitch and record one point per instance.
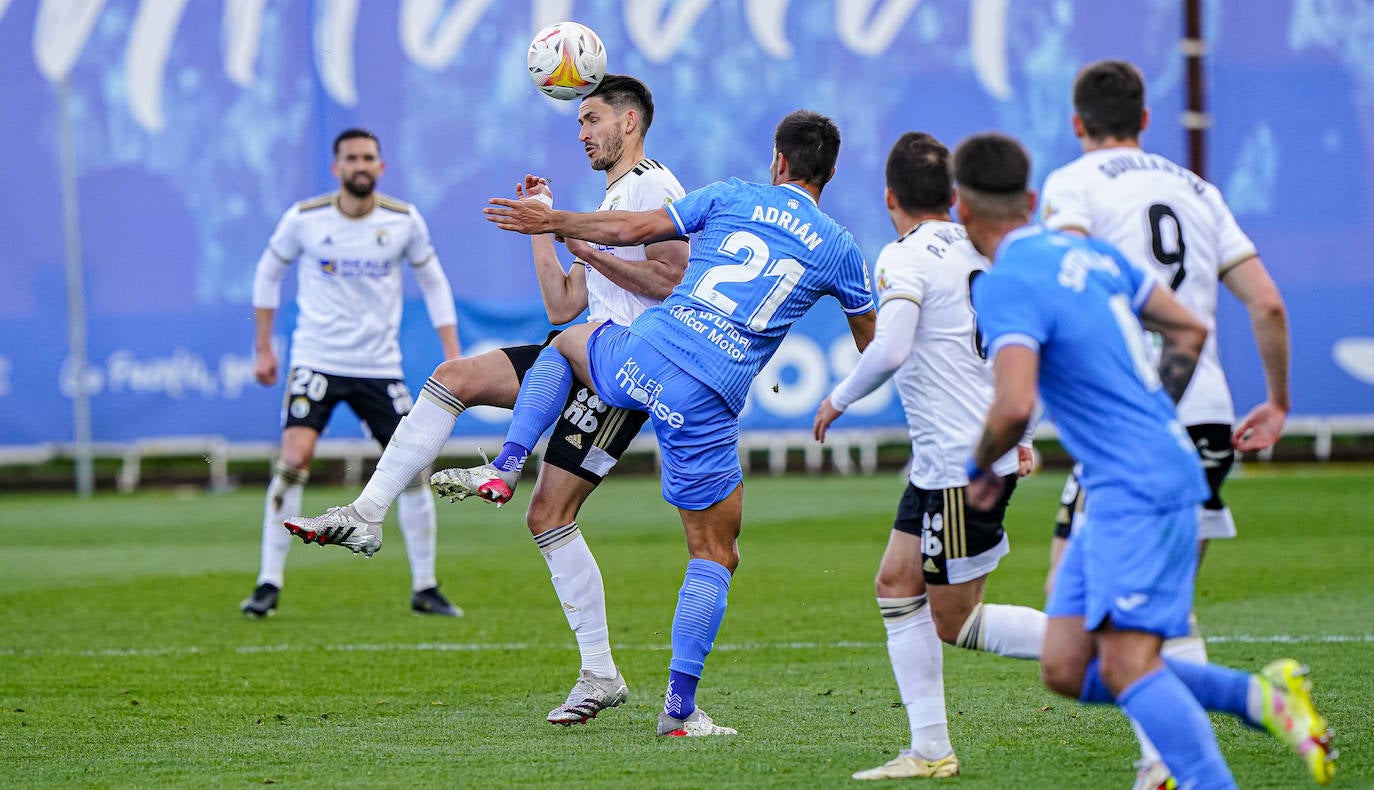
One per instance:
(124, 660)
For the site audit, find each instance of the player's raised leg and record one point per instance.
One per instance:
(487, 379)
(540, 402)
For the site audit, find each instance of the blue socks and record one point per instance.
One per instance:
(1216, 688)
(542, 395)
(700, 608)
(1179, 728)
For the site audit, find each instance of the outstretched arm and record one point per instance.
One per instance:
(617, 228)
(654, 277)
(1251, 284)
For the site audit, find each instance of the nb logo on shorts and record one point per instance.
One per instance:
(931, 527)
(583, 411)
(644, 390)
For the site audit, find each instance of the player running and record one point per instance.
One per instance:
(1165, 218)
(931, 578)
(1063, 315)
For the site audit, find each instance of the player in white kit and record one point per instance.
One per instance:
(612, 284)
(932, 575)
(352, 246)
(1165, 217)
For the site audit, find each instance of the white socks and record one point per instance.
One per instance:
(918, 663)
(416, 514)
(577, 580)
(417, 442)
(283, 502)
(1011, 631)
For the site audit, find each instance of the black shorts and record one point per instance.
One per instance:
(958, 543)
(589, 436)
(311, 397)
(1214, 449)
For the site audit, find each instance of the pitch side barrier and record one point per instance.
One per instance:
(848, 451)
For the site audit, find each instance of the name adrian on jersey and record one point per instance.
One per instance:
(642, 389)
(772, 215)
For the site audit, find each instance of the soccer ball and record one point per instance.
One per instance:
(566, 60)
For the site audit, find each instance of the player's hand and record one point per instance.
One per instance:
(825, 414)
(1260, 428)
(265, 367)
(1025, 460)
(528, 216)
(983, 491)
(534, 185)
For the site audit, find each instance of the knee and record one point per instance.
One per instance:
(718, 552)
(896, 583)
(452, 374)
(296, 459)
(1061, 677)
(544, 515)
(948, 625)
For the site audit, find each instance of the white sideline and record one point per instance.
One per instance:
(460, 647)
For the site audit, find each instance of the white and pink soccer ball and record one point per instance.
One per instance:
(566, 60)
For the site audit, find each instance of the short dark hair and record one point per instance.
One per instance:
(355, 134)
(811, 143)
(991, 171)
(918, 173)
(1109, 97)
(621, 92)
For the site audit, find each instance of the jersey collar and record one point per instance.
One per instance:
(1023, 232)
(799, 191)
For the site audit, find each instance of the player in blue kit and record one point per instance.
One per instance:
(1064, 315)
(761, 256)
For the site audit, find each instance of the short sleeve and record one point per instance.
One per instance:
(655, 189)
(1008, 314)
(419, 249)
(1064, 203)
(1233, 246)
(690, 212)
(901, 274)
(286, 239)
(853, 287)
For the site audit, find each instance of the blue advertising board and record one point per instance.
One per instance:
(195, 125)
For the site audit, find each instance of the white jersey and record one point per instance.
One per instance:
(647, 186)
(1164, 217)
(945, 384)
(349, 282)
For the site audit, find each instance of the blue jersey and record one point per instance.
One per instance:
(761, 257)
(1077, 302)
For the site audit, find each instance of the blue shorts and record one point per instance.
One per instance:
(1136, 569)
(698, 433)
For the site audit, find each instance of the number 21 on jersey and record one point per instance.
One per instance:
(756, 264)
